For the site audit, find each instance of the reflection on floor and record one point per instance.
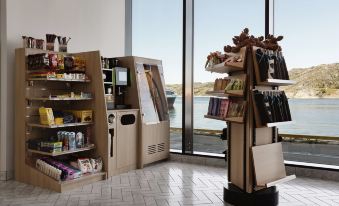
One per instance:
(166, 183)
(201, 143)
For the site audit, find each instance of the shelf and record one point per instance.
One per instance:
(90, 147)
(214, 117)
(57, 99)
(107, 69)
(108, 83)
(230, 93)
(217, 93)
(277, 124)
(229, 66)
(85, 178)
(59, 126)
(222, 68)
(57, 71)
(39, 51)
(285, 179)
(276, 82)
(59, 80)
(235, 119)
(236, 93)
(229, 119)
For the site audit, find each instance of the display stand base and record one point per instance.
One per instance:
(268, 196)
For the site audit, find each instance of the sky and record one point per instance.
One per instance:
(310, 29)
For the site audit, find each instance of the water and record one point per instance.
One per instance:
(311, 116)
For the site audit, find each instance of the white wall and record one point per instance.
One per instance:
(92, 25)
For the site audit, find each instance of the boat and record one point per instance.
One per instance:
(171, 96)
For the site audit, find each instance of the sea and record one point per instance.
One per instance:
(310, 116)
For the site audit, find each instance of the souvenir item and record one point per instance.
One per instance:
(85, 165)
(96, 164)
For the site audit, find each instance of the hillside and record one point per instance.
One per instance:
(320, 81)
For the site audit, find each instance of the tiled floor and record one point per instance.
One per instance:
(166, 183)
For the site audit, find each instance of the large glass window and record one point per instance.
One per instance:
(312, 58)
(157, 34)
(215, 23)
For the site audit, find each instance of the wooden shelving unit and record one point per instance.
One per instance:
(255, 161)
(31, 94)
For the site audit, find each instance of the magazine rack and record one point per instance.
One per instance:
(254, 155)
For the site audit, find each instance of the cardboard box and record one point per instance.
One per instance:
(83, 115)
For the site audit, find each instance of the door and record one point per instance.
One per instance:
(127, 131)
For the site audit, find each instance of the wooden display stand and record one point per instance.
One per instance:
(30, 94)
(125, 139)
(147, 79)
(255, 160)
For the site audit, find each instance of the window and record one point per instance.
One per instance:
(157, 33)
(312, 58)
(215, 23)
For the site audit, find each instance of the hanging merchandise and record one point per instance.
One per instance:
(272, 106)
(271, 64)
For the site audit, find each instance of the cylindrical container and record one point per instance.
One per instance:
(24, 41)
(39, 43)
(65, 141)
(71, 141)
(62, 48)
(79, 140)
(60, 136)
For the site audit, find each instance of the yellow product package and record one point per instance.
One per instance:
(46, 116)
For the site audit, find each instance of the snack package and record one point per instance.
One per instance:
(68, 62)
(96, 164)
(79, 64)
(53, 61)
(85, 165)
(46, 116)
(61, 61)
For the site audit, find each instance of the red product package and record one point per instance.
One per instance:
(53, 61)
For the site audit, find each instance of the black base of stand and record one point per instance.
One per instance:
(268, 196)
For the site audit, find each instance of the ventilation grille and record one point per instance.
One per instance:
(152, 149)
(161, 147)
